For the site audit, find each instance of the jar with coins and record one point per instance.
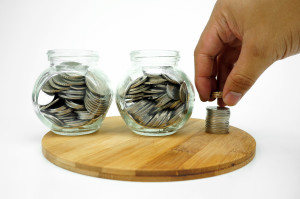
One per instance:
(155, 98)
(72, 96)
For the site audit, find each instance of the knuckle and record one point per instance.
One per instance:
(241, 82)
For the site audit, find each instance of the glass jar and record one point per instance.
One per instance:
(72, 96)
(155, 98)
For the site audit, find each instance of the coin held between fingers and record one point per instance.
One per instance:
(216, 94)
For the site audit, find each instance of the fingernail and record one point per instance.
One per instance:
(232, 98)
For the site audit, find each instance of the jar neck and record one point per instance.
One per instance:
(154, 58)
(85, 58)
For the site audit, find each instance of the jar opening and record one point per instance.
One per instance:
(71, 54)
(162, 55)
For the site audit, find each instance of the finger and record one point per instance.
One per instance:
(249, 66)
(225, 64)
(213, 80)
(205, 53)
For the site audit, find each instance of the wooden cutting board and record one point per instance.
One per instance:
(115, 152)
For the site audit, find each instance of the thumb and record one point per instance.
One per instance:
(251, 63)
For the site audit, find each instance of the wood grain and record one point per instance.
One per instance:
(115, 152)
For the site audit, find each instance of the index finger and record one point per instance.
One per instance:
(206, 51)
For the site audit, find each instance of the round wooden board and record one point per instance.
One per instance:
(115, 152)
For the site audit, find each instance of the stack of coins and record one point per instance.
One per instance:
(217, 118)
(78, 100)
(157, 100)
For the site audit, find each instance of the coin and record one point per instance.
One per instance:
(74, 105)
(95, 85)
(155, 80)
(170, 79)
(84, 115)
(43, 107)
(53, 119)
(71, 97)
(57, 86)
(138, 81)
(183, 93)
(47, 88)
(173, 92)
(72, 76)
(59, 80)
(217, 94)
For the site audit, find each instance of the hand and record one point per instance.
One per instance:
(240, 41)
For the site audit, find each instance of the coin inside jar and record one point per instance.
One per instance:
(78, 100)
(156, 100)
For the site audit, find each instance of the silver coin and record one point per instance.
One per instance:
(145, 118)
(175, 104)
(64, 112)
(164, 99)
(166, 120)
(76, 123)
(56, 110)
(157, 120)
(59, 80)
(95, 85)
(171, 79)
(57, 86)
(155, 80)
(151, 73)
(153, 120)
(71, 97)
(134, 99)
(53, 119)
(141, 111)
(154, 91)
(139, 90)
(152, 96)
(73, 92)
(84, 115)
(95, 110)
(160, 86)
(175, 119)
(43, 107)
(134, 96)
(72, 76)
(75, 82)
(138, 81)
(165, 106)
(139, 108)
(173, 92)
(162, 118)
(135, 107)
(217, 108)
(74, 105)
(47, 88)
(69, 116)
(183, 93)
(75, 87)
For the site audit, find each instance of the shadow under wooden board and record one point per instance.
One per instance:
(115, 152)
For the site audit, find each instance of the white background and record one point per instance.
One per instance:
(269, 112)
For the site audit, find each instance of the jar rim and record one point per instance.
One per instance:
(72, 53)
(137, 54)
